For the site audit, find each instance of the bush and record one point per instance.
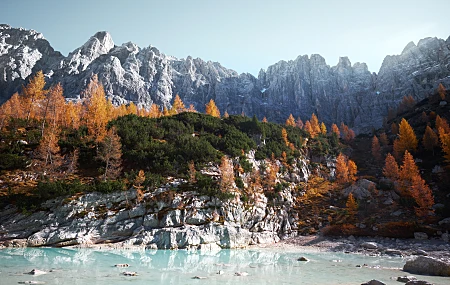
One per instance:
(109, 186)
(9, 161)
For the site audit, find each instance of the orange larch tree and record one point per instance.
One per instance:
(264, 120)
(384, 139)
(423, 196)
(315, 124)
(406, 141)
(226, 175)
(72, 115)
(323, 128)
(430, 139)
(32, 93)
(284, 136)
(441, 91)
(308, 128)
(335, 129)
(376, 148)
(211, 109)
(391, 170)
(290, 121)
(96, 109)
(154, 111)
(352, 170)
(442, 123)
(351, 205)
(178, 105)
(394, 129)
(110, 153)
(407, 172)
(132, 109)
(299, 123)
(342, 172)
(226, 115)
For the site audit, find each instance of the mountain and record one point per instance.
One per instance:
(344, 92)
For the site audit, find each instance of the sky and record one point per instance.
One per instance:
(244, 35)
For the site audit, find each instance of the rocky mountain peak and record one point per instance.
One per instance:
(408, 47)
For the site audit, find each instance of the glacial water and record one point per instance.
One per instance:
(264, 266)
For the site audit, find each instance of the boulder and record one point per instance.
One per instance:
(420, 235)
(427, 266)
(418, 282)
(405, 279)
(369, 245)
(374, 282)
(360, 190)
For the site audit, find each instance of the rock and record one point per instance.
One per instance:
(427, 266)
(130, 273)
(405, 279)
(360, 190)
(122, 265)
(420, 252)
(445, 221)
(31, 282)
(418, 282)
(369, 245)
(199, 277)
(442, 103)
(393, 252)
(373, 282)
(36, 272)
(420, 235)
(397, 213)
(302, 259)
(445, 237)
(241, 274)
(220, 272)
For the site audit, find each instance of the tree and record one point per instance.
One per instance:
(211, 109)
(323, 128)
(32, 93)
(390, 169)
(191, 109)
(271, 175)
(284, 136)
(290, 121)
(408, 171)
(347, 134)
(376, 149)
(442, 123)
(226, 175)
(335, 129)
(178, 105)
(407, 139)
(299, 123)
(264, 120)
(423, 196)
(137, 184)
(96, 110)
(341, 169)
(384, 139)
(407, 103)
(47, 158)
(54, 107)
(110, 154)
(226, 115)
(352, 170)
(132, 109)
(394, 128)
(154, 111)
(315, 125)
(424, 117)
(309, 129)
(445, 143)
(72, 115)
(441, 91)
(192, 172)
(430, 139)
(351, 205)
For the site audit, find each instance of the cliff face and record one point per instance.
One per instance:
(345, 92)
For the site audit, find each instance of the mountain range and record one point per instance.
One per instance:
(342, 93)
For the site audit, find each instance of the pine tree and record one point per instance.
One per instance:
(441, 91)
(430, 139)
(407, 139)
(391, 170)
(351, 205)
(376, 149)
(335, 129)
(110, 154)
(342, 172)
(211, 109)
(290, 121)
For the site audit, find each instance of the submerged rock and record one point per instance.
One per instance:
(374, 282)
(427, 266)
(405, 279)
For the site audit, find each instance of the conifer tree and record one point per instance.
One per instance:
(394, 128)
(445, 143)
(442, 123)
(408, 171)
(192, 172)
(407, 139)
(226, 115)
(430, 139)
(110, 154)
(351, 205)
(335, 129)
(299, 123)
(96, 112)
(391, 170)
(226, 175)
(342, 172)
(309, 129)
(424, 117)
(323, 128)
(137, 184)
(211, 109)
(315, 125)
(32, 93)
(384, 139)
(166, 112)
(154, 111)
(72, 115)
(264, 120)
(352, 170)
(178, 105)
(376, 149)
(47, 157)
(284, 136)
(191, 109)
(441, 91)
(290, 121)
(423, 196)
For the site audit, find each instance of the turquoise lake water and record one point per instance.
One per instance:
(264, 266)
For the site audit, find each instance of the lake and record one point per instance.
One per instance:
(264, 266)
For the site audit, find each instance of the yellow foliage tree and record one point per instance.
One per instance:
(335, 129)
(131, 109)
(226, 174)
(352, 170)
(323, 128)
(290, 121)
(264, 120)
(441, 91)
(351, 205)
(315, 125)
(178, 105)
(299, 123)
(407, 139)
(154, 111)
(137, 184)
(430, 139)
(211, 109)
(284, 136)
(342, 169)
(391, 169)
(32, 93)
(96, 109)
(110, 153)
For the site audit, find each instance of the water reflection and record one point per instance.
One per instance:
(88, 266)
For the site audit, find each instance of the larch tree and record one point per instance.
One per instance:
(407, 172)
(178, 105)
(430, 140)
(192, 172)
(271, 175)
(6, 112)
(54, 107)
(445, 143)
(351, 205)
(96, 110)
(391, 170)
(442, 123)
(226, 115)
(72, 115)
(191, 109)
(335, 129)
(342, 169)
(376, 148)
(407, 139)
(226, 175)
(315, 124)
(154, 111)
(47, 158)
(131, 109)
(299, 123)
(384, 139)
(110, 153)
(284, 136)
(32, 93)
(138, 185)
(323, 128)
(352, 170)
(211, 109)
(441, 91)
(309, 129)
(423, 196)
(290, 121)
(394, 128)
(424, 117)
(264, 120)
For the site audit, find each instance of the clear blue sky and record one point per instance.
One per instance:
(244, 35)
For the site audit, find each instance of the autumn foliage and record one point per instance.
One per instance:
(346, 169)
(406, 141)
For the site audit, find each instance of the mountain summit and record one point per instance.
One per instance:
(345, 92)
